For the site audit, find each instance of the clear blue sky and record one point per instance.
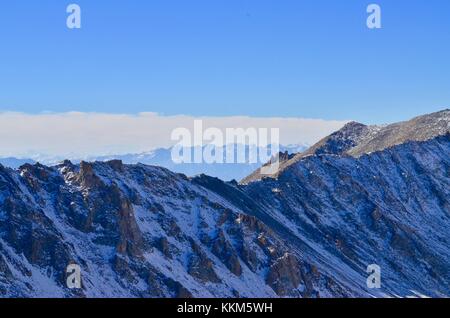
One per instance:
(311, 58)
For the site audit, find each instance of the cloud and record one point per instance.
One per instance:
(77, 134)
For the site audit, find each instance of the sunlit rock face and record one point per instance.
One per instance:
(309, 231)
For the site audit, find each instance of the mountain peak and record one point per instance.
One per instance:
(352, 125)
(420, 128)
(356, 139)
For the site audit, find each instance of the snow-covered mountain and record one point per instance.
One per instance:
(14, 163)
(226, 171)
(162, 157)
(310, 231)
(356, 139)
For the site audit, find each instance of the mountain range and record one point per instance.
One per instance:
(364, 195)
(163, 157)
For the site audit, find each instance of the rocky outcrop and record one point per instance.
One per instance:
(201, 267)
(226, 253)
(130, 237)
(284, 276)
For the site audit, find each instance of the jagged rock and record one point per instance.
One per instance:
(200, 266)
(182, 292)
(87, 177)
(122, 268)
(249, 257)
(226, 253)
(116, 165)
(130, 242)
(5, 272)
(284, 276)
(163, 246)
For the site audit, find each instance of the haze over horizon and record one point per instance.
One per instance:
(78, 135)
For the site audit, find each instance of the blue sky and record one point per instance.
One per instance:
(290, 58)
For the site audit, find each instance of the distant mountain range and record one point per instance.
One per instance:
(15, 163)
(162, 157)
(362, 196)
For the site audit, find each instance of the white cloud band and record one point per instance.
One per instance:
(85, 134)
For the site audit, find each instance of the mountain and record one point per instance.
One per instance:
(162, 157)
(356, 139)
(226, 171)
(310, 231)
(14, 162)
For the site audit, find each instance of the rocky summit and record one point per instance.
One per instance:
(364, 195)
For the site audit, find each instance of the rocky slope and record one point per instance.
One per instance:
(143, 231)
(136, 231)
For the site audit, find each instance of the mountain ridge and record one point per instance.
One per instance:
(144, 231)
(356, 139)
(163, 157)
